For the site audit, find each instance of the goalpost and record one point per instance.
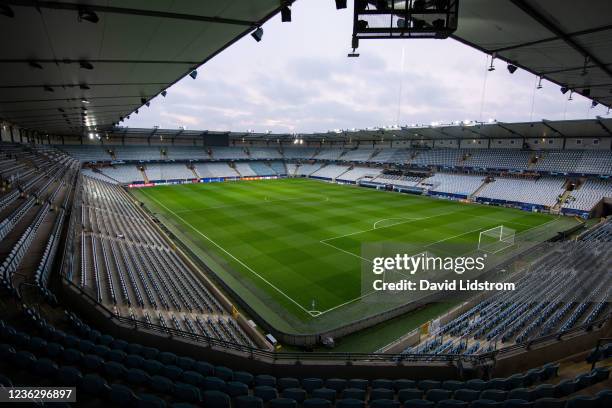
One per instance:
(496, 239)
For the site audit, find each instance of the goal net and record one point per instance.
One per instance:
(496, 239)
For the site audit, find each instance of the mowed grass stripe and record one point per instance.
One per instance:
(275, 229)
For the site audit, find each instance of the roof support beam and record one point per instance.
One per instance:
(536, 15)
(603, 125)
(548, 125)
(549, 39)
(507, 129)
(56, 5)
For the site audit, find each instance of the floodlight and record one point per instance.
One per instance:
(286, 14)
(340, 4)
(8, 12)
(193, 74)
(512, 68)
(594, 104)
(88, 15)
(164, 93)
(257, 34)
(564, 89)
(35, 64)
(86, 65)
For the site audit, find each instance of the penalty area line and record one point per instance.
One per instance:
(230, 255)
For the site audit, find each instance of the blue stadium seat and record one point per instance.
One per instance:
(243, 377)
(136, 361)
(165, 357)
(287, 382)
(517, 403)
(494, 395)
(358, 383)
(324, 393)
(381, 393)
(549, 403)
(354, 393)
(151, 366)
(311, 384)
(46, 368)
(186, 392)
(95, 385)
(282, 403)
(204, 368)
(216, 399)
(68, 375)
(161, 384)
(121, 395)
(226, 374)
(383, 383)
(137, 376)
(384, 403)
(193, 378)
(583, 401)
(115, 370)
(171, 371)
(427, 385)
(520, 393)
(336, 384)
(438, 394)
(350, 403)
(485, 403)
(409, 394)
(403, 383)
(544, 391)
(236, 389)
(265, 392)
(476, 384)
(453, 385)
(467, 395)
(91, 362)
(564, 388)
(248, 401)
(24, 359)
(316, 403)
(150, 401)
(418, 403)
(297, 394)
(212, 383)
(54, 350)
(452, 403)
(186, 363)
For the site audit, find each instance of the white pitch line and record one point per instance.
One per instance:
(232, 256)
(388, 226)
(394, 218)
(346, 252)
(266, 200)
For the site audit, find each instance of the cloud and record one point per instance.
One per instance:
(298, 79)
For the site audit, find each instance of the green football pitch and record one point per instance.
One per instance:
(293, 247)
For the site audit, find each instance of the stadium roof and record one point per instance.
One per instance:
(55, 55)
(587, 128)
(565, 41)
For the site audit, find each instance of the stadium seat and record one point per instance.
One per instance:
(467, 395)
(354, 393)
(213, 383)
(216, 399)
(186, 392)
(452, 403)
(583, 401)
(403, 383)
(310, 384)
(248, 401)
(358, 383)
(452, 385)
(324, 393)
(297, 394)
(384, 403)
(494, 395)
(350, 403)
(549, 403)
(264, 379)
(485, 403)
(243, 377)
(317, 403)
(150, 401)
(517, 403)
(265, 392)
(418, 403)
(161, 384)
(282, 403)
(336, 384)
(409, 394)
(236, 389)
(121, 395)
(383, 383)
(381, 393)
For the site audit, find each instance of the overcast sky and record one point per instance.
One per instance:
(298, 79)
